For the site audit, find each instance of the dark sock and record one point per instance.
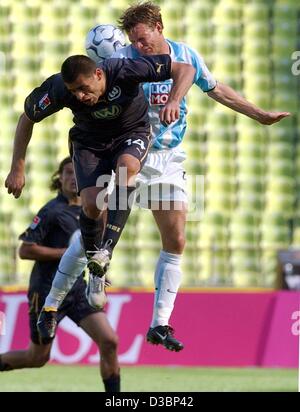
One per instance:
(112, 384)
(4, 367)
(118, 213)
(91, 232)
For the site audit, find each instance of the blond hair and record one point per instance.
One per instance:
(147, 13)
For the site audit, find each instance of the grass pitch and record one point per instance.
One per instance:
(53, 378)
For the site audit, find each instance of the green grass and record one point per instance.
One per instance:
(54, 378)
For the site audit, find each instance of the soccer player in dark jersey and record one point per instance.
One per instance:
(111, 132)
(45, 241)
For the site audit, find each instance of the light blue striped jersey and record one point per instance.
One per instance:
(169, 136)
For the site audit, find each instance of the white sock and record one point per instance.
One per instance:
(167, 281)
(70, 267)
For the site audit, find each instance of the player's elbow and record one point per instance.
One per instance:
(38, 360)
(25, 251)
(220, 93)
(25, 119)
(215, 91)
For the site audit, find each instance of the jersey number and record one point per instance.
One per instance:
(137, 141)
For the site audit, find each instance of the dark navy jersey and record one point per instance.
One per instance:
(52, 227)
(121, 110)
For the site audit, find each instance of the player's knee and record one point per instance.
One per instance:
(109, 346)
(127, 170)
(91, 210)
(175, 244)
(133, 169)
(39, 360)
(180, 243)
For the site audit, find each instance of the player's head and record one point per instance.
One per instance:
(82, 78)
(143, 24)
(63, 180)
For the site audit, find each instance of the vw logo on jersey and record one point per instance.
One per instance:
(114, 93)
(108, 112)
(159, 93)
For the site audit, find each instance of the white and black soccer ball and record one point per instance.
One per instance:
(102, 41)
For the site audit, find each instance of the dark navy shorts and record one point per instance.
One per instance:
(75, 306)
(91, 164)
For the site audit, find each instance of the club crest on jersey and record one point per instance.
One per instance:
(159, 93)
(114, 93)
(44, 102)
(36, 220)
(108, 113)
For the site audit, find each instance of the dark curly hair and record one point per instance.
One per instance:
(55, 182)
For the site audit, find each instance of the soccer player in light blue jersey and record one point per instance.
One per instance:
(163, 167)
(144, 26)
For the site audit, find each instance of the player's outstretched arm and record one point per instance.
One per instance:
(33, 251)
(183, 76)
(15, 180)
(230, 98)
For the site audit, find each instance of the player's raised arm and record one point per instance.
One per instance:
(183, 77)
(230, 98)
(15, 180)
(41, 103)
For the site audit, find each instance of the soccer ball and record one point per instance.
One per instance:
(102, 41)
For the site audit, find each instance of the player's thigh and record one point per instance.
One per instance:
(98, 328)
(92, 171)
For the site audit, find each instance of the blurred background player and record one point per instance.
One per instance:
(144, 26)
(45, 241)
